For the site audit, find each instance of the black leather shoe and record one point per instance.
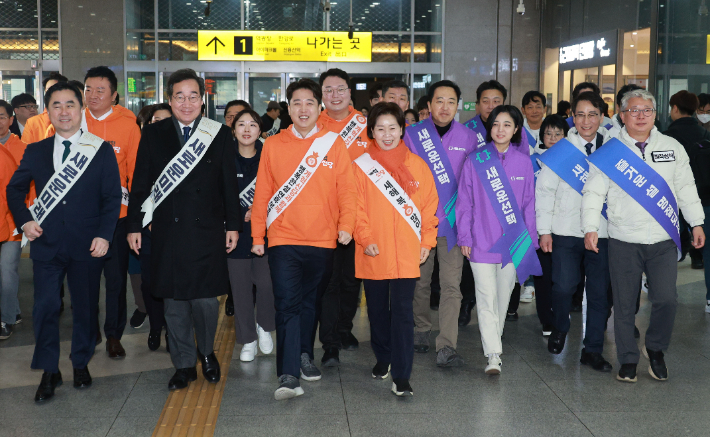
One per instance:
(50, 381)
(348, 341)
(696, 263)
(657, 368)
(229, 306)
(596, 360)
(465, 313)
(154, 340)
(627, 373)
(210, 367)
(331, 357)
(82, 378)
(182, 378)
(556, 342)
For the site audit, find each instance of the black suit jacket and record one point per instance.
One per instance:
(15, 128)
(89, 210)
(189, 259)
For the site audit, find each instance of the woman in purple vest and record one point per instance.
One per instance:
(479, 225)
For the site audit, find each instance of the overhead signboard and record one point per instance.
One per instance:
(591, 51)
(239, 45)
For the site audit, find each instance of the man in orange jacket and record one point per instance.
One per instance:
(306, 197)
(36, 127)
(338, 294)
(124, 135)
(9, 245)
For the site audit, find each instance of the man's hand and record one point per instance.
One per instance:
(466, 251)
(372, 250)
(134, 241)
(590, 241)
(546, 243)
(344, 238)
(99, 247)
(232, 238)
(247, 217)
(258, 249)
(698, 237)
(32, 230)
(423, 255)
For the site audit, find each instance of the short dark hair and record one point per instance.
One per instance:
(583, 85)
(588, 96)
(514, 113)
(334, 72)
(253, 115)
(373, 91)
(159, 107)
(394, 84)
(53, 76)
(103, 72)
(413, 112)
(22, 99)
(686, 102)
(62, 86)
(423, 102)
(562, 107)
(530, 96)
(236, 103)
(118, 99)
(183, 75)
(305, 84)
(554, 121)
(491, 85)
(8, 108)
(704, 100)
(623, 90)
(284, 106)
(77, 84)
(384, 108)
(444, 83)
(144, 116)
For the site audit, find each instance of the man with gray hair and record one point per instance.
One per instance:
(644, 177)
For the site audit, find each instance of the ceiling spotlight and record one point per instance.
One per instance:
(207, 9)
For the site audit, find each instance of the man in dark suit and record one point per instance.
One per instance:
(189, 262)
(25, 106)
(74, 236)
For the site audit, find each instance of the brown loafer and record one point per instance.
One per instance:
(114, 348)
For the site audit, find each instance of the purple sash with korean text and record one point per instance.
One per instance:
(477, 125)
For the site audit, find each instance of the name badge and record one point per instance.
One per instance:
(666, 156)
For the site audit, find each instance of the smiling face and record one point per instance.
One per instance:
(387, 132)
(503, 129)
(64, 112)
(336, 94)
(98, 96)
(552, 135)
(640, 126)
(587, 120)
(190, 108)
(5, 121)
(246, 130)
(304, 110)
(534, 111)
(488, 102)
(398, 96)
(443, 105)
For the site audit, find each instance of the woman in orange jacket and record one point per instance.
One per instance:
(395, 229)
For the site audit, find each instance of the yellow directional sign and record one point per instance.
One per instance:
(245, 45)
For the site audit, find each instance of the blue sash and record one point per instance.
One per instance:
(424, 140)
(570, 164)
(477, 125)
(515, 245)
(641, 182)
(536, 165)
(532, 141)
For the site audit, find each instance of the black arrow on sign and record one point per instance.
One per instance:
(215, 40)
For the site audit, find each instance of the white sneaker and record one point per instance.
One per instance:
(707, 307)
(644, 284)
(248, 352)
(266, 344)
(527, 295)
(493, 367)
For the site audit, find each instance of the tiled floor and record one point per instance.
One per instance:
(536, 395)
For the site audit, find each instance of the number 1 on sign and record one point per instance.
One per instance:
(243, 45)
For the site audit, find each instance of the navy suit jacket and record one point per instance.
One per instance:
(89, 210)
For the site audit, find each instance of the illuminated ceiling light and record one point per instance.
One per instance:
(632, 45)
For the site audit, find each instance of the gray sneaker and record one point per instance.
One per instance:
(448, 357)
(421, 341)
(309, 371)
(289, 388)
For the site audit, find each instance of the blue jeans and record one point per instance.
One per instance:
(706, 251)
(9, 281)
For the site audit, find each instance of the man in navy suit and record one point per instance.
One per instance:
(73, 238)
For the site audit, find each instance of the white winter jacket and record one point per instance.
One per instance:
(558, 206)
(628, 220)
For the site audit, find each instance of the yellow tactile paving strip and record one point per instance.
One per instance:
(194, 411)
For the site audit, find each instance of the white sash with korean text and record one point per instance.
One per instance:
(288, 192)
(392, 191)
(246, 197)
(64, 178)
(275, 128)
(180, 166)
(353, 129)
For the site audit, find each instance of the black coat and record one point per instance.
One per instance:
(15, 128)
(189, 259)
(687, 131)
(246, 173)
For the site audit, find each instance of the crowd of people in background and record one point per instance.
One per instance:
(293, 212)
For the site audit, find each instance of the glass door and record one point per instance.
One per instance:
(220, 89)
(263, 88)
(18, 82)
